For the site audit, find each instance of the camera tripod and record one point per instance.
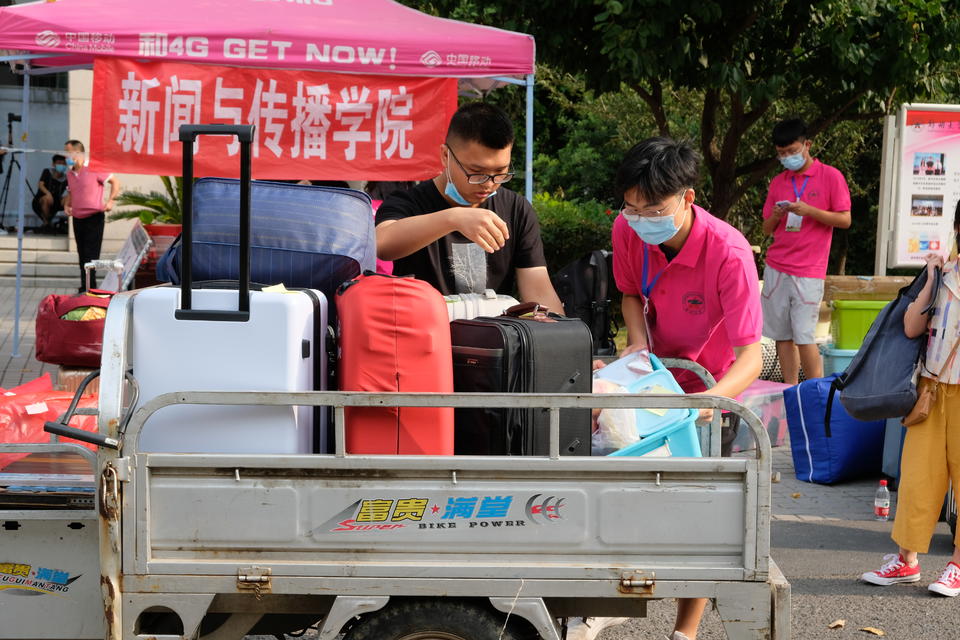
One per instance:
(5, 190)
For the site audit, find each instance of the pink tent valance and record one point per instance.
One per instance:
(378, 37)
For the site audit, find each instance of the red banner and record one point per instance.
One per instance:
(318, 126)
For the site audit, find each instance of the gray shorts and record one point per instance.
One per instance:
(791, 306)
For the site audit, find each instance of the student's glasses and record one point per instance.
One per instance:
(481, 178)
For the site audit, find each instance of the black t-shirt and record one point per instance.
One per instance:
(54, 186)
(434, 263)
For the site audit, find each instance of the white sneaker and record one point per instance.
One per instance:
(590, 628)
(948, 584)
(677, 635)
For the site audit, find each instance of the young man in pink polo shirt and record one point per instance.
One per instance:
(84, 203)
(689, 283)
(804, 203)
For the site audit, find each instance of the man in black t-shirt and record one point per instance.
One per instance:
(463, 232)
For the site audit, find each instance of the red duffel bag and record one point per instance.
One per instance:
(66, 341)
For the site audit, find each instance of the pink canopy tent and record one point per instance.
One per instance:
(378, 37)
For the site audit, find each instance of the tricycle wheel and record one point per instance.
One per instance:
(431, 620)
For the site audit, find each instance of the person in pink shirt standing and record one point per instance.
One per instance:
(84, 203)
(804, 203)
(689, 283)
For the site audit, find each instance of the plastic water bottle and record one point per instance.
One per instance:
(881, 503)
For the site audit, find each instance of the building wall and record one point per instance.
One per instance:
(48, 130)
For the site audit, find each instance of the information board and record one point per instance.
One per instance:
(927, 179)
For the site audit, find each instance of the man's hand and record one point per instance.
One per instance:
(481, 226)
(630, 348)
(800, 208)
(108, 206)
(67, 209)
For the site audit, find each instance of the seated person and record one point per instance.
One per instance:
(50, 189)
(463, 232)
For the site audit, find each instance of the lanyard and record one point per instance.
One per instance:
(803, 187)
(647, 287)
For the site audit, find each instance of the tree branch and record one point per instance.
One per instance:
(654, 100)
(708, 129)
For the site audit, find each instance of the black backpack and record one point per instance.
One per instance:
(879, 381)
(584, 288)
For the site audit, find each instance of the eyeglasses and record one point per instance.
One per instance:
(632, 214)
(481, 178)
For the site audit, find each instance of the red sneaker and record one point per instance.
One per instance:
(894, 571)
(948, 584)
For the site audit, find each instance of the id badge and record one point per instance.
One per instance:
(793, 222)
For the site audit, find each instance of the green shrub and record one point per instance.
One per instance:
(571, 228)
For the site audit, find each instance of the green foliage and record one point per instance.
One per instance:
(722, 73)
(154, 206)
(571, 228)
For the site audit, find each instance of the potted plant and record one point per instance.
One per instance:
(160, 213)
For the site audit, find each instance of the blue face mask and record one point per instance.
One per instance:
(794, 162)
(657, 230)
(60, 167)
(451, 192)
(70, 162)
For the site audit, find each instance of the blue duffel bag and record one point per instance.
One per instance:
(301, 235)
(854, 449)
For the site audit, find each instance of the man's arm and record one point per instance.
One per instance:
(770, 224)
(65, 202)
(534, 285)
(839, 219)
(399, 238)
(114, 192)
(632, 308)
(42, 188)
(741, 374)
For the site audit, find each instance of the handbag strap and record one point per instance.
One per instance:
(946, 363)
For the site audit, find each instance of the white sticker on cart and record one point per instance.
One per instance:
(35, 408)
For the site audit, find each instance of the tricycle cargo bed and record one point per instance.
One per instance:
(462, 518)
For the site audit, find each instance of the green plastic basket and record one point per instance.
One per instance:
(852, 319)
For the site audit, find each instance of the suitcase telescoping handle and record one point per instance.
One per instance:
(188, 134)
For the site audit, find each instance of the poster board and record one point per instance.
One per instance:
(926, 184)
(131, 254)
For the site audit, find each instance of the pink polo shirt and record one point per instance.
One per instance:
(703, 303)
(805, 252)
(86, 191)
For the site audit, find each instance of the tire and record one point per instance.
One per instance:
(431, 620)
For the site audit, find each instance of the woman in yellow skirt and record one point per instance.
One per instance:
(931, 450)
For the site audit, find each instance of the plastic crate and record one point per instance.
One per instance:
(836, 360)
(852, 319)
(679, 439)
(648, 421)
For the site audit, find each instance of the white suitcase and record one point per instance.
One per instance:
(278, 349)
(216, 339)
(467, 306)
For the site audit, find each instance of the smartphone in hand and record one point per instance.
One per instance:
(783, 203)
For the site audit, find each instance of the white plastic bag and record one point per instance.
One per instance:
(615, 428)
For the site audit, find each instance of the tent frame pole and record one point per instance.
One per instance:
(21, 203)
(529, 145)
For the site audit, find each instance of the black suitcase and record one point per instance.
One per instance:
(520, 355)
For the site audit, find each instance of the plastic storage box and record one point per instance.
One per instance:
(836, 360)
(648, 422)
(678, 440)
(852, 319)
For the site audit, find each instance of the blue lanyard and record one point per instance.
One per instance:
(803, 187)
(646, 287)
